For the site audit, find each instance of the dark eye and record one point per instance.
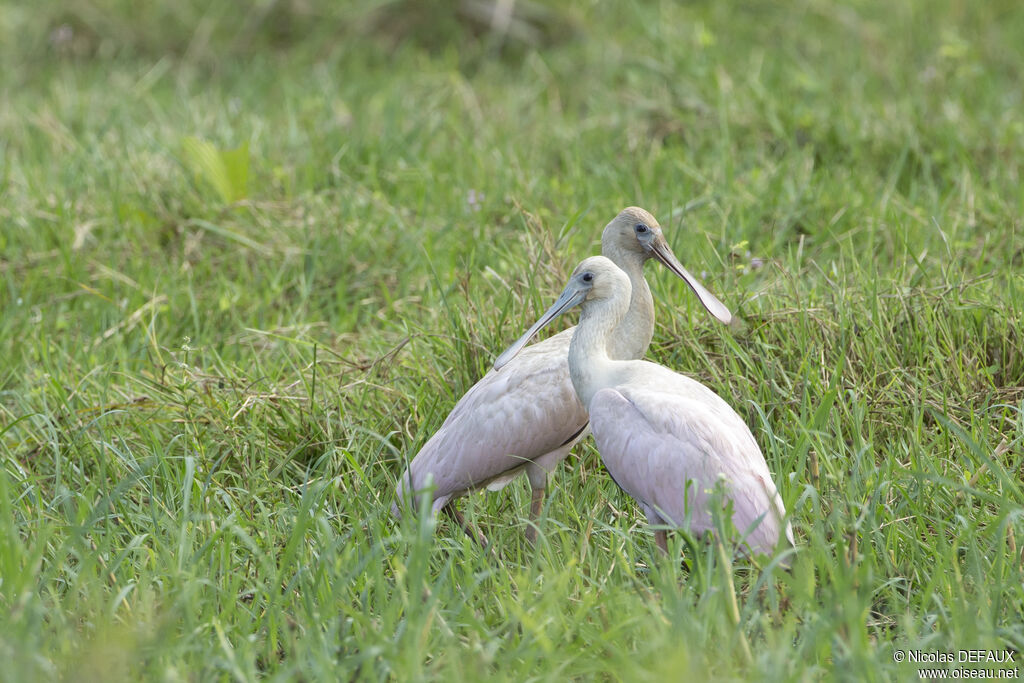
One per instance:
(588, 277)
(641, 228)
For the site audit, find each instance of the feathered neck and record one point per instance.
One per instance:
(632, 336)
(590, 359)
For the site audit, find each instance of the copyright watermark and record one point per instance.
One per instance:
(955, 656)
(962, 664)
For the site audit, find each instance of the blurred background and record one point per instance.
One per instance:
(804, 124)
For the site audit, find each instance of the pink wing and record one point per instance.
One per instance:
(668, 443)
(510, 418)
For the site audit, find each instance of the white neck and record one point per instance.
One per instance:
(590, 366)
(630, 339)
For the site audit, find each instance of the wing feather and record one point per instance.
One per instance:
(669, 440)
(511, 417)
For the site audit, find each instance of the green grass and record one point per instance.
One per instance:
(241, 282)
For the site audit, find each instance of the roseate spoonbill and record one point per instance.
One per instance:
(666, 439)
(527, 417)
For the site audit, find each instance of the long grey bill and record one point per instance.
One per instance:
(715, 307)
(572, 296)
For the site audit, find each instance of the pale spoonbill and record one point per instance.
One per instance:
(527, 416)
(666, 439)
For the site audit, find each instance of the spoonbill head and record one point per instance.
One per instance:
(527, 417)
(666, 439)
(612, 290)
(635, 230)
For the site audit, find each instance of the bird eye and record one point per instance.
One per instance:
(641, 228)
(588, 277)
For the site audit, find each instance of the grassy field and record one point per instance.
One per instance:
(249, 263)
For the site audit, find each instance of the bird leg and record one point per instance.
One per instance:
(661, 538)
(470, 530)
(536, 503)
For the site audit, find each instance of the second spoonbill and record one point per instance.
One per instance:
(666, 439)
